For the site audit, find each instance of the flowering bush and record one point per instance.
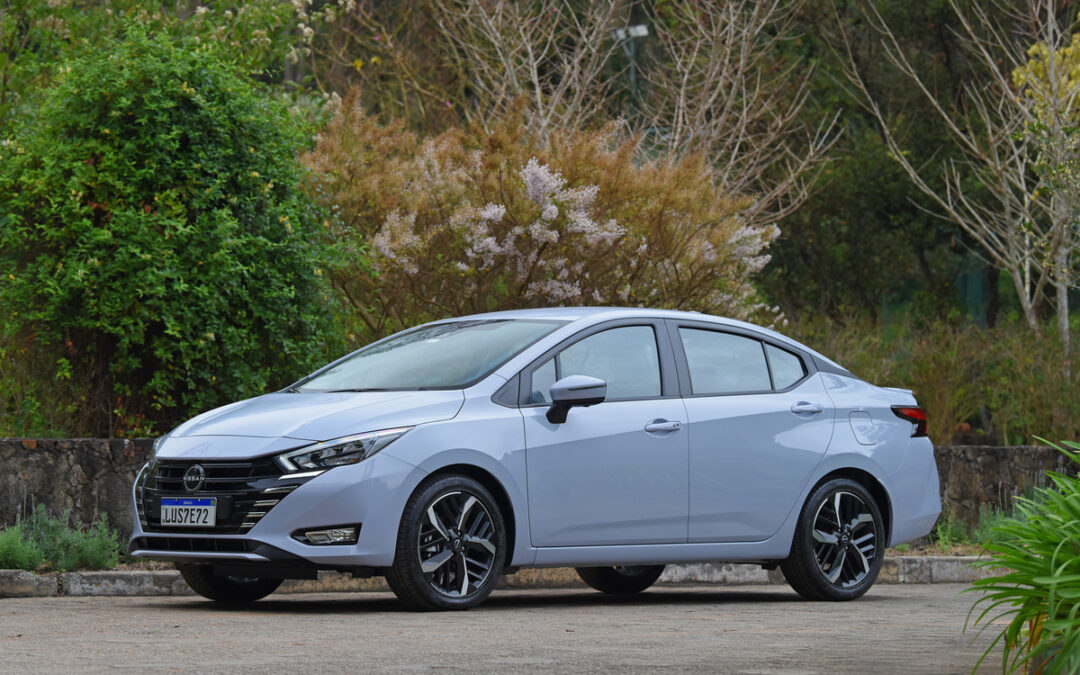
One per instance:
(474, 220)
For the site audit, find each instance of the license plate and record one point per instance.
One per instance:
(188, 512)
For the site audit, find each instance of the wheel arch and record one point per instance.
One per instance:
(872, 485)
(495, 487)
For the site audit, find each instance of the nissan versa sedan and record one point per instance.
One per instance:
(611, 440)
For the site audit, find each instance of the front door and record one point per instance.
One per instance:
(614, 473)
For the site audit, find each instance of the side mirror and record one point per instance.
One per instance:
(575, 390)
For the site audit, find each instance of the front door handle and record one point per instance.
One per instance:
(804, 408)
(660, 426)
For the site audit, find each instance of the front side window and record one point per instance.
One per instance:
(444, 356)
(722, 363)
(542, 379)
(626, 358)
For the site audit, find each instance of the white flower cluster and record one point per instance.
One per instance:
(492, 213)
(396, 236)
(547, 189)
(747, 244)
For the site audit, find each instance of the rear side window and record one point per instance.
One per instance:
(626, 358)
(787, 368)
(722, 363)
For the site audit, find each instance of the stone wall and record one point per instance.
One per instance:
(976, 476)
(88, 477)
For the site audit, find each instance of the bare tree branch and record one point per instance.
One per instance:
(716, 88)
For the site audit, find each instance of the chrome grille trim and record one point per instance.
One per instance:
(280, 489)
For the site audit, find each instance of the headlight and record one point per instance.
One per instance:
(155, 447)
(340, 451)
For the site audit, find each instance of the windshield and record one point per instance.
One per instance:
(444, 356)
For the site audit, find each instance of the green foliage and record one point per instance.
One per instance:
(988, 530)
(1039, 593)
(997, 385)
(42, 538)
(857, 245)
(16, 553)
(64, 547)
(36, 37)
(950, 531)
(155, 248)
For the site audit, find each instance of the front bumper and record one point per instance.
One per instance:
(370, 495)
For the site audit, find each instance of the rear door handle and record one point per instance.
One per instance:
(804, 408)
(659, 426)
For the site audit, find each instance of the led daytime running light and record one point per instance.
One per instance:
(340, 451)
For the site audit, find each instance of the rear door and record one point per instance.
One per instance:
(760, 422)
(616, 472)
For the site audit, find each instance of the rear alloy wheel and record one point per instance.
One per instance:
(451, 546)
(226, 589)
(621, 579)
(838, 545)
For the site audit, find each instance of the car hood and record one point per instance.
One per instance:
(317, 416)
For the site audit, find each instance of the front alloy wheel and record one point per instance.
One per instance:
(837, 550)
(451, 545)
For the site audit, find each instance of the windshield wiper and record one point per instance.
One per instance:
(338, 391)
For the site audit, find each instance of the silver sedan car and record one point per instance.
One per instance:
(611, 440)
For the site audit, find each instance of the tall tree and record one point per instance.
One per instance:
(1016, 131)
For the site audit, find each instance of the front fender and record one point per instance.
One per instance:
(493, 444)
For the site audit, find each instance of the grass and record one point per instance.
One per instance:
(42, 541)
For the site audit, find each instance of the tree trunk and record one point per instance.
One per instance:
(1061, 284)
(1027, 303)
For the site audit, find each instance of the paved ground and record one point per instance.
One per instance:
(749, 629)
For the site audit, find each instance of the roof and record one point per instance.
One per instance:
(597, 314)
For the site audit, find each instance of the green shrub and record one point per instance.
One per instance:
(155, 246)
(39, 37)
(64, 547)
(16, 552)
(41, 538)
(949, 531)
(1040, 591)
(988, 530)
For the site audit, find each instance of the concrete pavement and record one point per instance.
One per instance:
(747, 629)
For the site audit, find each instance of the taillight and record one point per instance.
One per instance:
(914, 415)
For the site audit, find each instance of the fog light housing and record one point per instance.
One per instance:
(330, 535)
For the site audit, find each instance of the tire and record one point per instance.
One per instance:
(451, 545)
(226, 589)
(836, 558)
(621, 580)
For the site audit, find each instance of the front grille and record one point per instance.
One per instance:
(192, 545)
(245, 491)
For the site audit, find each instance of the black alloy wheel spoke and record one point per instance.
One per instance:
(844, 538)
(455, 544)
